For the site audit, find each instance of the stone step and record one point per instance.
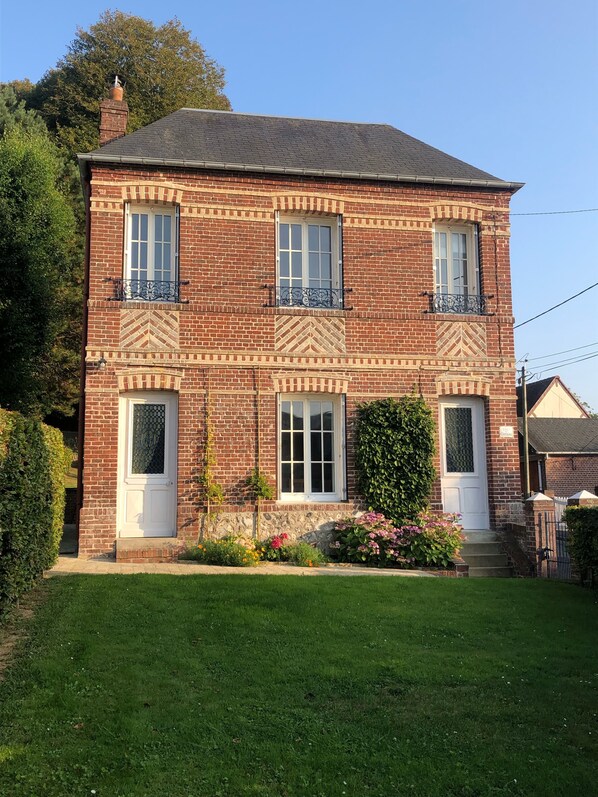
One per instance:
(490, 572)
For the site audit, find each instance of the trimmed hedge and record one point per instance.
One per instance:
(394, 448)
(582, 522)
(33, 463)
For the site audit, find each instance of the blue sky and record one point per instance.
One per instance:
(511, 87)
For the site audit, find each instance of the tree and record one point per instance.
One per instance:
(162, 68)
(40, 260)
(14, 112)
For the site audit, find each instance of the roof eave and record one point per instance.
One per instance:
(93, 157)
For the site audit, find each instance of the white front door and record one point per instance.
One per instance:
(147, 465)
(463, 460)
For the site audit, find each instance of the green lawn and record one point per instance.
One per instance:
(283, 686)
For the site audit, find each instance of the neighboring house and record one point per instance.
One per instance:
(563, 439)
(549, 398)
(258, 277)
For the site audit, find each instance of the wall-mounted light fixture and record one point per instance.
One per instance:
(99, 365)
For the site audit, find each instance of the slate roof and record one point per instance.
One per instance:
(534, 391)
(226, 140)
(563, 435)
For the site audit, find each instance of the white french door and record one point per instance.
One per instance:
(463, 460)
(147, 465)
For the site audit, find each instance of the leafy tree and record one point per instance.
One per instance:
(394, 454)
(40, 260)
(163, 69)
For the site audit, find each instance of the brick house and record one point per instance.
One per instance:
(258, 277)
(563, 439)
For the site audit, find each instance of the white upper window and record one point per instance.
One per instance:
(310, 448)
(309, 267)
(456, 270)
(151, 253)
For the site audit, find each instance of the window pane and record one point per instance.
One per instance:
(316, 447)
(285, 478)
(314, 265)
(158, 228)
(295, 236)
(286, 415)
(326, 266)
(327, 412)
(284, 264)
(328, 478)
(315, 410)
(158, 256)
(316, 478)
(284, 236)
(167, 231)
(285, 447)
(143, 218)
(297, 415)
(314, 238)
(135, 226)
(325, 239)
(458, 434)
(147, 444)
(298, 447)
(296, 263)
(143, 256)
(298, 478)
(327, 447)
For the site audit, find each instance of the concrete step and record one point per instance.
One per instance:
(480, 535)
(490, 572)
(481, 548)
(485, 560)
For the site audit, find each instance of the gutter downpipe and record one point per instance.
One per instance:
(84, 169)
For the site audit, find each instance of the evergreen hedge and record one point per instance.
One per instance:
(582, 522)
(33, 463)
(394, 455)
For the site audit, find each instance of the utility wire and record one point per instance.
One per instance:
(556, 212)
(554, 354)
(560, 304)
(564, 363)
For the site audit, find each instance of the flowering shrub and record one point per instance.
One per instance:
(430, 540)
(275, 548)
(229, 551)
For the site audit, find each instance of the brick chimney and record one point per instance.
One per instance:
(114, 113)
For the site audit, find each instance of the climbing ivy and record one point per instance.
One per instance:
(394, 455)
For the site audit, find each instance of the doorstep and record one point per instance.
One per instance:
(146, 550)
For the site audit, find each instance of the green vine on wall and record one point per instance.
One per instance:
(213, 492)
(394, 456)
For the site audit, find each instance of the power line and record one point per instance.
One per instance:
(564, 363)
(556, 212)
(560, 304)
(554, 354)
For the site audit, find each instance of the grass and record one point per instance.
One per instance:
(132, 686)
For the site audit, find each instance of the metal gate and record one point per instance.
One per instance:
(553, 554)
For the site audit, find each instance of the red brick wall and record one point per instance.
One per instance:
(227, 338)
(566, 476)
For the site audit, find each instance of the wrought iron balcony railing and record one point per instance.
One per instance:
(147, 290)
(458, 303)
(331, 298)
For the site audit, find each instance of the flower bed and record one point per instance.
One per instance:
(238, 552)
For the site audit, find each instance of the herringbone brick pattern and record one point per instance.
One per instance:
(457, 339)
(308, 335)
(152, 330)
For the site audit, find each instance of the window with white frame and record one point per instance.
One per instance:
(309, 262)
(151, 253)
(456, 269)
(310, 448)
